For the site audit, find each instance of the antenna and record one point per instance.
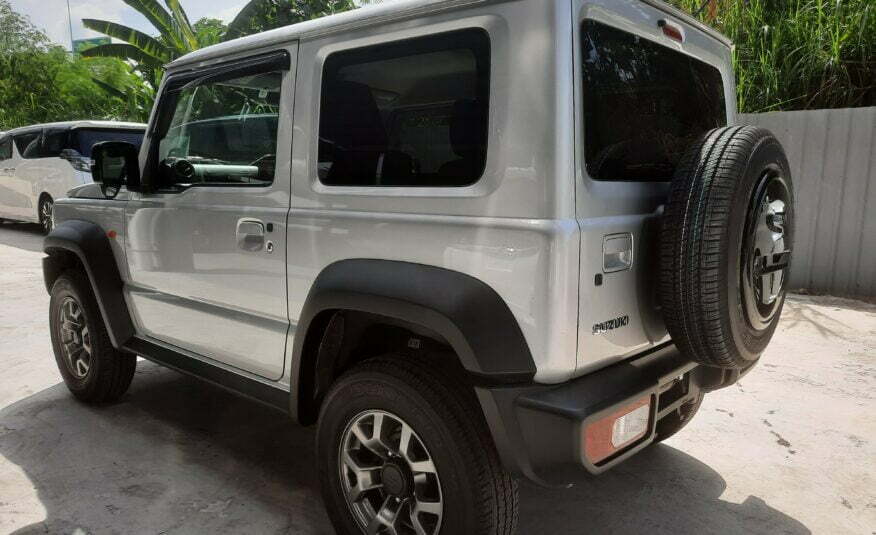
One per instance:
(70, 21)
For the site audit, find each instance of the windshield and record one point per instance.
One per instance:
(83, 139)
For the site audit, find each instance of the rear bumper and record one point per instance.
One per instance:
(538, 428)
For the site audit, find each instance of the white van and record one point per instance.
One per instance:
(40, 163)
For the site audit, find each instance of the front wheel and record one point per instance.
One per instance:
(92, 369)
(404, 450)
(45, 209)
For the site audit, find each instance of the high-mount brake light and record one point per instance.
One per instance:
(672, 30)
(607, 436)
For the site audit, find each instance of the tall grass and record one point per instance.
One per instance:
(799, 54)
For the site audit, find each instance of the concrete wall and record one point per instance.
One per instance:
(833, 164)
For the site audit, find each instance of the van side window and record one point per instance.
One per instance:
(54, 141)
(644, 104)
(28, 144)
(222, 132)
(408, 113)
(5, 148)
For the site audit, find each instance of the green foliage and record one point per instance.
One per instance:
(17, 33)
(42, 83)
(262, 15)
(799, 54)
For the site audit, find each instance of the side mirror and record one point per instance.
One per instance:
(115, 164)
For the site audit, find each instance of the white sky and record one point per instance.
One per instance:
(51, 15)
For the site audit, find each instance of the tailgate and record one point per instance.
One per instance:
(642, 96)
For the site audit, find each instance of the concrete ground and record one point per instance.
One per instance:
(791, 450)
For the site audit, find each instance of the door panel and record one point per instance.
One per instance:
(7, 170)
(195, 286)
(207, 252)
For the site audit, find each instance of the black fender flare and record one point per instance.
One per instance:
(90, 244)
(471, 317)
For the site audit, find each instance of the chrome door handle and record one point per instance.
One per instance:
(250, 235)
(8, 169)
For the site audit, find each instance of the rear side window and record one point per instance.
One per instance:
(54, 141)
(644, 104)
(411, 113)
(83, 139)
(5, 148)
(28, 144)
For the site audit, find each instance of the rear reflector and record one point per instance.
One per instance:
(606, 436)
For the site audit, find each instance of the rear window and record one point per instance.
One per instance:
(83, 139)
(644, 104)
(410, 113)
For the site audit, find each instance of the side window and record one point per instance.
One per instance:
(644, 104)
(410, 113)
(28, 144)
(53, 142)
(5, 148)
(222, 132)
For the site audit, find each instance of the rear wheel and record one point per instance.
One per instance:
(403, 450)
(726, 246)
(92, 369)
(45, 209)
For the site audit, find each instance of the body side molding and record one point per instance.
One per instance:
(90, 245)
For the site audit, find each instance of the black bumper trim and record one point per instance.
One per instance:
(537, 428)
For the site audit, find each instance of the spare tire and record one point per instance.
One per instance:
(726, 239)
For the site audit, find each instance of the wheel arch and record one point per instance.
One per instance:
(447, 308)
(84, 245)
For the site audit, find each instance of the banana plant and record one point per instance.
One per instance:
(176, 37)
(262, 15)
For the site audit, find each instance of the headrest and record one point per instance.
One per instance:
(466, 129)
(350, 117)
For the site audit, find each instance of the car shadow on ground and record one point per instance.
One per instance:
(180, 456)
(28, 236)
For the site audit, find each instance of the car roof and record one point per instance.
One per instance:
(371, 15)
(78, 124)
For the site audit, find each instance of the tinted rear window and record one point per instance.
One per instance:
(410, 113)
(644, 104)
(82, 139)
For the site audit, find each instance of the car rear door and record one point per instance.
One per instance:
(7, 169)
(642, 96)
(206, 246)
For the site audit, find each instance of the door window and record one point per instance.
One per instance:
(53, 142)
(644, 104)
(28, 144)
(222, 132)
(5, 148)
(409, 113)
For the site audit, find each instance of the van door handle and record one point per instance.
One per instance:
(250, 235)
(8, 169)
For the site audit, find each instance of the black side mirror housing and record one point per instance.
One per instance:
(116, 163)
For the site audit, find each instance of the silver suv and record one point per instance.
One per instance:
(471, 241)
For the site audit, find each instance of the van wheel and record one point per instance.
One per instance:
(46, 206)
(726, 245)
(403, 449)
(92, 369)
